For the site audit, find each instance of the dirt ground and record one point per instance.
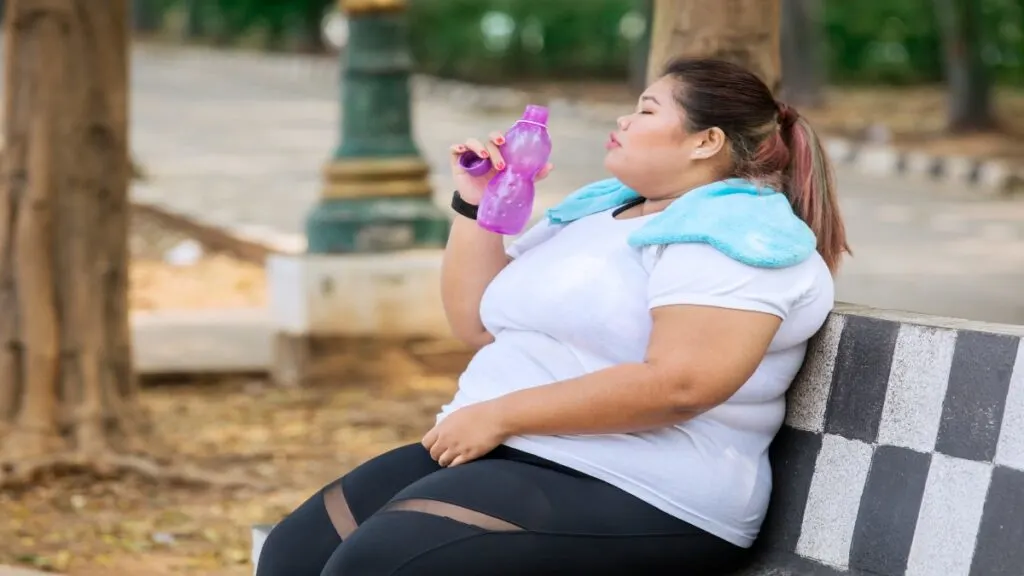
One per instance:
(198, 280)
(294, 440)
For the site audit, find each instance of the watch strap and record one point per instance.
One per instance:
(462, 207)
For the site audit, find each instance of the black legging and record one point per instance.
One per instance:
(509, 513)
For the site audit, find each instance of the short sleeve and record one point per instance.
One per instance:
(698, 274)
(534, 236)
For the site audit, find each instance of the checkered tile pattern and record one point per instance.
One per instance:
(903, 452)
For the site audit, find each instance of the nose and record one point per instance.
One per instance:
(622, 122)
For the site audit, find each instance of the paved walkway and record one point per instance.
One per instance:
(240, 139)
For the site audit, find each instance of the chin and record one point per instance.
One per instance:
(613, 162)
(616, 165)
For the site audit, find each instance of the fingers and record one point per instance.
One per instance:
(460, 459)
(478, 147)
(446, 459)
(495, 141)
(490, 150)
(430, 438)
(438, 450)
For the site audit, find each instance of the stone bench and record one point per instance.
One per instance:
(902, 452)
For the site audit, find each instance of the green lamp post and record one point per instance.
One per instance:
(376, 194)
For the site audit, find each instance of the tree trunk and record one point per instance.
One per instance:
(803, 49)
(311, 35)
(146, 17)
(970, 89)
(67, 388)
(640, 50)
(742, 31)
(194, 27)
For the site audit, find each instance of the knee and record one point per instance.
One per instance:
(399, 543)
(371, 550)
(277, 556)
(298, 546)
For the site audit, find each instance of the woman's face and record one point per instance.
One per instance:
(650, 152)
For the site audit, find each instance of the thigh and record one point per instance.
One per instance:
(567, 524)
(372, 484)
(410, 544)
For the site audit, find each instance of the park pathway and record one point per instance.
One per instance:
(239, 139)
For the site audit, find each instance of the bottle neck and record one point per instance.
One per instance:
(522, 121)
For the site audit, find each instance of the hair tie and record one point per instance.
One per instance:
(787, 116)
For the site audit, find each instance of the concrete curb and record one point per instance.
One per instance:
(203, 341)
(988, 177)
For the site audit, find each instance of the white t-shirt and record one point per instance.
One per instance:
(577, 298)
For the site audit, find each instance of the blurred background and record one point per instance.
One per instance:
(249, 125)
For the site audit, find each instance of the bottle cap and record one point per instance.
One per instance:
(473, 164)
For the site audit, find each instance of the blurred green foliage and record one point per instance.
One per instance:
(867, 41)
(491, 40)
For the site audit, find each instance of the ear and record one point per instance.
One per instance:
(709, 142)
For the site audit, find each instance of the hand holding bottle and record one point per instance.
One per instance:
(471, 186)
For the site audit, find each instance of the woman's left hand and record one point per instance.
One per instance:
(466, 434)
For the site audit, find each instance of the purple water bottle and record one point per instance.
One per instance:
(507, 202)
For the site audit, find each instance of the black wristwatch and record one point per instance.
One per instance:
(462, 207)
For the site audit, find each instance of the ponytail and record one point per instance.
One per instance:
(809, 182)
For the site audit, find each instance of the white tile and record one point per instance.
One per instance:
(808, 396)
(1010, 450)
(947, 525)
(833, 501)
(917, 387)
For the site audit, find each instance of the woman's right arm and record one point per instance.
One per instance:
(472, 259)
(473, 256)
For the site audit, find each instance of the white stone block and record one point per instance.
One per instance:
(959, 169)
(259, 537)
(882, 160)
(839, 150)
(388, 294)
(202, 341)
(995, 176)
(921, 164)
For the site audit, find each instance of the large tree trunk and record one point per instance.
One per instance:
(803, 49)
(640, 50)
(970, 89)
(742, 31)
(67, 388)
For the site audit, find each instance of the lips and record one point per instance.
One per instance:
(613, 142)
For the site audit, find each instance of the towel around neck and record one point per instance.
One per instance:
(751, 224)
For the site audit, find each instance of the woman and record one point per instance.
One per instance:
(617, 415)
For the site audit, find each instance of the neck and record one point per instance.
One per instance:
(656, 202)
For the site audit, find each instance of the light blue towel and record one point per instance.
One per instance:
(750, 224)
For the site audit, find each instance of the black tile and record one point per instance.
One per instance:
(793, 455)
(999, 549)
(976, 395)
(861, 378)
(888, 511)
